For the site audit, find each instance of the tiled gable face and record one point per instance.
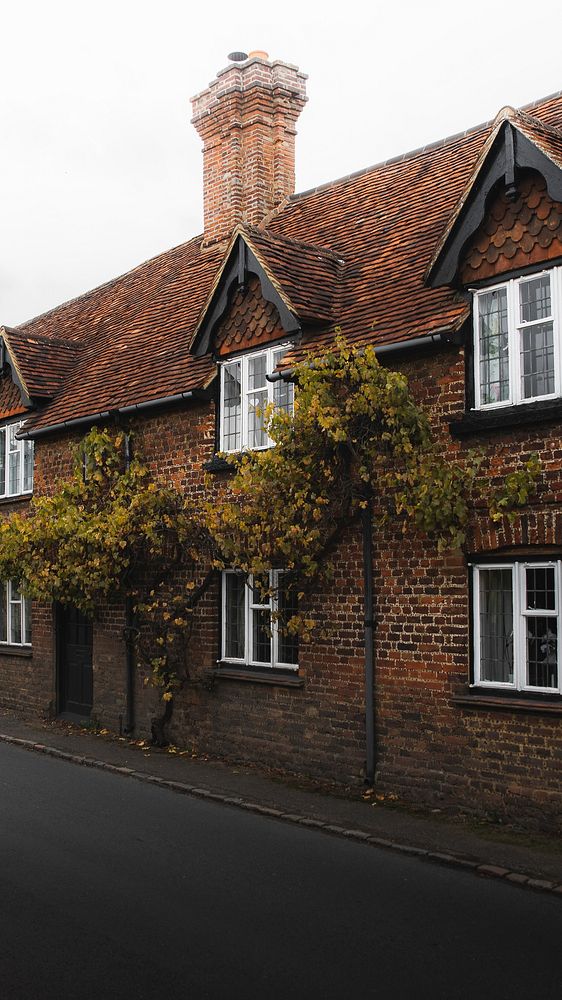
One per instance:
(251, 321)
(10, 398)
(515, 234)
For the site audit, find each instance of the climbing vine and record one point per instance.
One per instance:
(110, 532)
(356, 437)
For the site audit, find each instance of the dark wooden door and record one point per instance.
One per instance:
(74, 662)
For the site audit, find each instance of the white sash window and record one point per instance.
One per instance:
(250, 636)
(16, 462)
(245, 393)
(517, 626)
(15, 616)
(517, 340)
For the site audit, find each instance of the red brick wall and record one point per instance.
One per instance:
(429, 749)
(27, 678)
(19, 688)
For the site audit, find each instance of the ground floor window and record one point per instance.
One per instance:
(251, 635)
(517, 624)
(15, 616)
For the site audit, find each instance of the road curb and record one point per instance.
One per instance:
(515, 878)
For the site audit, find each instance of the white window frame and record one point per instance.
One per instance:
(520, 614)
(10, 602)
(250, 605)
(513, 337)
(20, 449)
(244, 361)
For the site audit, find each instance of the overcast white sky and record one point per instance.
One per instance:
(100, 168)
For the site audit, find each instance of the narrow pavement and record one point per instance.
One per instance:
(527, 859)
(111, 887)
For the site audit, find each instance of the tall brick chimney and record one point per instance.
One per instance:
(246, 119)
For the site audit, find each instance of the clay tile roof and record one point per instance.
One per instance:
(43, 362)
(384, 223)
(136, 331)
(308, 275)
(546, 137)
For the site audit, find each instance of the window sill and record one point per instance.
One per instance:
(219, 464)
(551, 705)
(8, 650)
(230, 673)
(504, 418)
(17, 498)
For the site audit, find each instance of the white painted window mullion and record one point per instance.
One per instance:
(274, 602)
(513, 339)
(519, 627)
(476, 613)
(476, 341)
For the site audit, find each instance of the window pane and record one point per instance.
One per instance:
(283, 392)
(542, 652)
(287, 645)
(3, 612)
(496, 625)
(537, 360)
(2, 462)
(14, 474)
(27, 619)
(494, 360)
(231, 408)
(257, 402)
(257, 368)
(283, 395)
(15, 616)
(234, 624)
(541, 590)
(14, 460)
(27, 465)
(534, 299)
(261, 627)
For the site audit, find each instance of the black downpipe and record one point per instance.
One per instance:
(130, 632)
(367, 524)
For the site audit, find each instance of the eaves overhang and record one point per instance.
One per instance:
(75, 423)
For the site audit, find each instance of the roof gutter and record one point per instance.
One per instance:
(444, 336)
(150, 404)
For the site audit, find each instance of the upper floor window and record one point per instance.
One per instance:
(251, 635)
(517, 340)
(15, 616)
(516, 626)
(16, 462)
(245, 393)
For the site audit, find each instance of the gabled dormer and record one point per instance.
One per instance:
(32, 369)
(518, 147)
(268, 293)
(503, 248)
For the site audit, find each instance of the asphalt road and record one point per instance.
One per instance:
(111, 888)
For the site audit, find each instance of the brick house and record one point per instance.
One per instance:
(449, 260)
